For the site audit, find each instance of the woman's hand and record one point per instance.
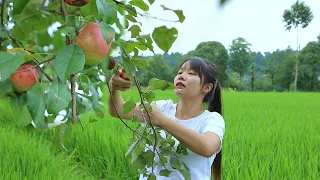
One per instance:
(155, 116)
(119, 82)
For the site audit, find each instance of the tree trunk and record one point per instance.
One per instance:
(312, 76)
(297, 60)
(296, 74)
(240, 82)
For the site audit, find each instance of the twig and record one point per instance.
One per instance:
(39, 63)
(14, 40)
(153, 129)
(3, 5)
(121, 4)
(63, 9)
(73, 93)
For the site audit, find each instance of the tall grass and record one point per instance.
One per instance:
(268, 136)
(25, 155)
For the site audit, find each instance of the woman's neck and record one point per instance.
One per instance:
(188, 110)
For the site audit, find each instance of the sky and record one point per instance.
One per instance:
(259, 22)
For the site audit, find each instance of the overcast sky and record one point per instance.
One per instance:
(258, 21)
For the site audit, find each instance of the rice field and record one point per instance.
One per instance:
(268, 136)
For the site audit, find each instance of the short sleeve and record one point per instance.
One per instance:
(215, 123)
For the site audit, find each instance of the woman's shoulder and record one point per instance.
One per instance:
(213, 118)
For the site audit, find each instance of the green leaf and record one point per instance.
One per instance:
(151, 1)
(147, 105)
(163, 159)
(65, 131)
(134, 118)
(181, 149)
(151, 177)
(135, 30)
(140, 4)
(185, 166)
(128, 107)
(25, 116)
(131, 18)
(179, 13)
(155, 83)
(175, 163)
(69, 31)
(36, 106)
(106, 29)
(148, 96)
(18, 6)
(5, 86)
(164, 172)
(170, 36)
(69, 60)
(140, 62)
(186, 174)
(130, 9)
(98, 108)
(107, 11)
(8, 64)
(80, 107)
(91, 120)
(129, 46)
(59, 97)
(51, 118)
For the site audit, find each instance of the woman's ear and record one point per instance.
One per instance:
(207, 87)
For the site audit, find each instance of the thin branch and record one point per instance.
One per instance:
(14, 40)
(63, 8)
(73, 93)
(3, 6)
(144, 106)
(39, 63)
(121, 4)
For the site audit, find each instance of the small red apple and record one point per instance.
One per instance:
(111, 63)
(24, 78)
(91, 40)
(123, 75)
(77, 2)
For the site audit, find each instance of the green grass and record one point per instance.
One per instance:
(268, 136)
(272, 136)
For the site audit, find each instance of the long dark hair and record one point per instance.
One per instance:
(208, 74)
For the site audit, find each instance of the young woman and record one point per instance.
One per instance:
(200, 130)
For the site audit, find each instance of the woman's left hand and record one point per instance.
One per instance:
(155, 116)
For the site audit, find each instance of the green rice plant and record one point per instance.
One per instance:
(26, 155)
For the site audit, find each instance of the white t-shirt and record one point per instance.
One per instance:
(200, 167)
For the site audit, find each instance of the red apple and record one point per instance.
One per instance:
(24, 78)
(111, 63)
(123, 75)
(91, 40)
(77, 2)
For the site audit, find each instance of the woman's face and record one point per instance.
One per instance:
(188, 81)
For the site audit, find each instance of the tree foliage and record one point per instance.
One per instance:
(240, 56)
(44, 33)
(299, 14)
(310, 61)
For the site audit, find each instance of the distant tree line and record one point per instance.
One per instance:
(241, 69)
